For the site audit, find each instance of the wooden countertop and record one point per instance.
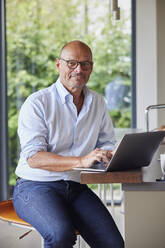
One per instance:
(134, 176)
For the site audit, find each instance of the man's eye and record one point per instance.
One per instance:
(87, 64)
(72, 63)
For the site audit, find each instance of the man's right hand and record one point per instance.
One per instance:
(98, 155)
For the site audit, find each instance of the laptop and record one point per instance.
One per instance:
(135, 150)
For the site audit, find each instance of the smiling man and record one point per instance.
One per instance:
(60, 128)
(78, 58)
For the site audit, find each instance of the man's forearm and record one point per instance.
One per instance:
(53, 162)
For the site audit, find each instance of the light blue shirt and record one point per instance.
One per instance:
(48, 121)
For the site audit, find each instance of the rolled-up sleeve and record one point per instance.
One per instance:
(32, 129)
(106, 139)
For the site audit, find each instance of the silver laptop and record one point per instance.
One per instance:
(135, 150)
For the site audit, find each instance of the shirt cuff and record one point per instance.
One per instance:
(28, 154)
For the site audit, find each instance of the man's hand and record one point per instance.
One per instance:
(98, 155)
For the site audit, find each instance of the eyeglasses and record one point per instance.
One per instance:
(72, 64)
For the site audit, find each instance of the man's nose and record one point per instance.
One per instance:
(79, 67)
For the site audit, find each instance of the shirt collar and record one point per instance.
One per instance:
(62, 91)
(88, 98)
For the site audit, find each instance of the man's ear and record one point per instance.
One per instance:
(92, 69)
(58, 64)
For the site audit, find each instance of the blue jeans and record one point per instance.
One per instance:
(57, 208)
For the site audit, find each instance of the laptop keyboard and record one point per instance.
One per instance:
(99, 165)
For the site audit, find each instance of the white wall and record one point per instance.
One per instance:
(144, 219)
(161, 57)
(150, 60)
(146, 52)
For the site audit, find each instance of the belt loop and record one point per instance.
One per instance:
(67, 185)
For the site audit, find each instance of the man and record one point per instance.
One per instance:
(60, 128)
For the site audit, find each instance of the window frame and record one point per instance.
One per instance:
(4, 168)
(133, 65)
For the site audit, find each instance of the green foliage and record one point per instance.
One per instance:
(116, 186)
(121, 119)
(36, 31)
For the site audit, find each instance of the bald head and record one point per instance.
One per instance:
(77, 46)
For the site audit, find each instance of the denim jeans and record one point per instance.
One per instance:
(57, 208)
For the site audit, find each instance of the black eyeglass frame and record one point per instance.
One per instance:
(82, 63)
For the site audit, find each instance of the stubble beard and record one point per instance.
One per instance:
(80, 82)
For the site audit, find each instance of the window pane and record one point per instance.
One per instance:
(36, 30)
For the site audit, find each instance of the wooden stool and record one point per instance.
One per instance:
(8, 214)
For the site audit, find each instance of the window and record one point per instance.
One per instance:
(36, 31)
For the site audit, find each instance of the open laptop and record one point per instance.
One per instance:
(135, 150)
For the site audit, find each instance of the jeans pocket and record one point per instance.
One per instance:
(22, 190)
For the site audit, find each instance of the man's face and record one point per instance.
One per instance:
(78, 77)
